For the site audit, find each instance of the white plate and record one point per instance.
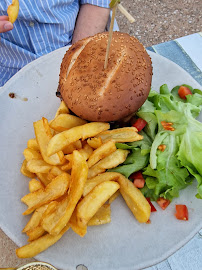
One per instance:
(122, 244)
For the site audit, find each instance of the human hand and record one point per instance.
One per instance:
(5, 25)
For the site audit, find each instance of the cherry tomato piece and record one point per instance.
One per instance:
(153, 209)
(163, 203)
(139, 124)
(181, 212)
(184, 91)
(139, 183)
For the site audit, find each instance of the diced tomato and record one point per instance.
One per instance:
(153, 209)
(139, 124)
(137, 175)
(148, 221)
(163, 203)
(184, 91)
(139, 183)
(181, 212)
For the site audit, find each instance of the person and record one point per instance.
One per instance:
(43, 26)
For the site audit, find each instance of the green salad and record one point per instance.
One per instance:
(170, 154)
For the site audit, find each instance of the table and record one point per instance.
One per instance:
(186, 52)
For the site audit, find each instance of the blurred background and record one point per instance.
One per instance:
(160, 21)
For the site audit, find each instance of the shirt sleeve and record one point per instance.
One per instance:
(99, 3)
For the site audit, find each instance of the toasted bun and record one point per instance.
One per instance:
(97, 94)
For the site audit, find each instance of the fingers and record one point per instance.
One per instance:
(5, 26)
(3, 18)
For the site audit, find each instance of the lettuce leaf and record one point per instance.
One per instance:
(167, 172)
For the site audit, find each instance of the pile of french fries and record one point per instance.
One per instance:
(70, 187)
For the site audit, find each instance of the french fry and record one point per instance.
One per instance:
(35, 233)
(67, 167)
(63, 139)
(109, 162)
(66, 121)
(71, 147)
(61, 216)
(132, 195)
(55, 171)
(92, 182)
(95, 142)
(35, 185)
(101, 152)
(114, 196)
(35, 218)
(54, 190)
(90, 204)
(81, 231)
(62, 109)
(38, 166)
(43, 177)
(52, 216)
(126, 134)
(43, 136)
(13, 11)
(32, 144)
(31, 154)
(103, 215)
(86, 151)
(134, 199)
(25, 171)
(39, 245)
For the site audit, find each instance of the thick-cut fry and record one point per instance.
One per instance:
(32, 249)
(54, 190)
(38, 166)
(134, 199)
(52, 216)
(86, 151)
(114, 196)
(71, 147)
(55, 171)
(35, 218)
(66, 121)
(32, 144)
(95, 142)
(81, 231)
(90, 204)
(13, 11)
(101, 152)
(92, 182)
(61, 216)
(43, 136)
(132, 195)
(35, 233)
(25, 171)
(34, 185)
(63, 139)
(43, 177)
(62, 109)
(31, 154)
(109, 162)
(126, 134)
(67, 167)
(102, 216)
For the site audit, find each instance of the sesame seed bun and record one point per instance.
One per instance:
(97, 94)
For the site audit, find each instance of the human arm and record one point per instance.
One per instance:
(91, 20)
(5, 25)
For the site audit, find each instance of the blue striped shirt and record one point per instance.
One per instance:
(42, 26)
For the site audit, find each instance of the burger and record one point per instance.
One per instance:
(95, 93)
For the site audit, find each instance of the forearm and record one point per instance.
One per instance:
(91, 20)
